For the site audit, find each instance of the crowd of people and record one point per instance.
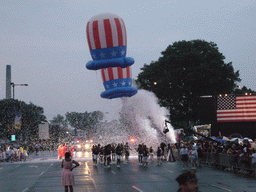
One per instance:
(19, 151)
(191, 153)
(241, 156)
(114, 153)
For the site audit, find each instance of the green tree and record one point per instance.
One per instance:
(60, 120)
(185, 71)
(242, 91)
(84, 121)
(58, 126)
(31, 117)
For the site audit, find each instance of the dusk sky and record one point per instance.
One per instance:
(45, 43)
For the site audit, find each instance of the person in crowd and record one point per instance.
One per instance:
(95, 152)
(118, 155)
(113, 152)
(140, 153)
(68, 179)
(145, 156)
(3, 154)
(188, 182)
(25, 154)
(10, 154)
(193, 157)
(66, 148)
(182, 136)
(245, 155)
(163, 146)
(123, 151)
(15, 154)
(200, 154)
(231, 150)
(253, 157)
(59, 152)
(184, 156)
(127, 151)
(107, 155)
(214, 153)
(37, 149)
(72, 150)
(159, 155)
(235, 157)
(101, 154)
(171, 157)
(151, 153)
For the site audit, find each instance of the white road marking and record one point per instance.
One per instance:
(25, 190)
(137, 188)
(221, 188)
(41, 173)
(1, 167)
(113, 172)
(33, 166)
(171, 171)
(17, 166)
(51, 164)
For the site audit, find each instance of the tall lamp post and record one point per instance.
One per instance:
(13, 86)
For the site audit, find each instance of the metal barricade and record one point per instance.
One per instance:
(225, 161)
(205, 158)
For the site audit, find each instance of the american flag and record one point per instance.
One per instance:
(233, 108)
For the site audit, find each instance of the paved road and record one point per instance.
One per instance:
(42, 173)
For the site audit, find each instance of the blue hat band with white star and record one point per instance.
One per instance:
(125, 82)
(108, 53)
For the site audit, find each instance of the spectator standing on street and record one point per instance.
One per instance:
(37, 148)
(200, 154)
(25, 154)
(253, 156)
(184, 156)
(182, 136)
(194, 157)
(68, 179)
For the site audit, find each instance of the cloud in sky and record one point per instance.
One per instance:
(45, 43)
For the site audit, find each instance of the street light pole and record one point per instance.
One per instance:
(13, 85)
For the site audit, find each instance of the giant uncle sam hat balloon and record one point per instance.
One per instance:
(106, 36)
(107, 41)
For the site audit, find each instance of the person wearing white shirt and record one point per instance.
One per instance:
(184, 157)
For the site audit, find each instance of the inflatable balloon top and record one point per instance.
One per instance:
(106, 36)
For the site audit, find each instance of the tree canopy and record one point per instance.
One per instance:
(84, 121)
(185, 71)
(31, 117)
